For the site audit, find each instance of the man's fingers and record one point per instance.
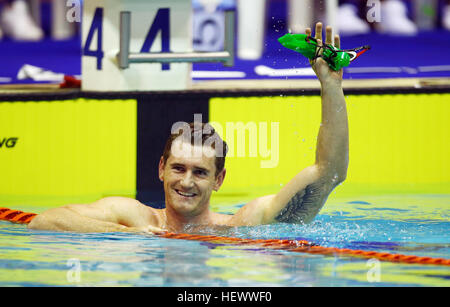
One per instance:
(155, 230)
(151, 229)
(337, 41)
(319, 44)
(318, 30)
(308, 31)
(328, 35)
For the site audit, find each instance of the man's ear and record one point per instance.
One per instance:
(219, 179)
(161, 169)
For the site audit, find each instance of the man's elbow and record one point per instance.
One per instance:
(38, 222)
(335, 176)
(44, 221)
(341, 177)
(338, 178)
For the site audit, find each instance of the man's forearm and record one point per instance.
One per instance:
(63, 219)
(332, 142)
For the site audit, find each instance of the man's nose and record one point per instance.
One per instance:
(187, 181)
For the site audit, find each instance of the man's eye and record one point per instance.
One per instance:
(201, 173)
(178, 168)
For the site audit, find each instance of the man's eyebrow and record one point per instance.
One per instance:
(197, 168)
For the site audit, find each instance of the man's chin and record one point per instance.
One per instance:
(185, 207)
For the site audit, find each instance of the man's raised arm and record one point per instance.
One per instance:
(301, 199)
(332, 142)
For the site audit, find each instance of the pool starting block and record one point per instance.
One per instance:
(137, 45)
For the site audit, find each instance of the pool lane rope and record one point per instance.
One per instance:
(300, 246)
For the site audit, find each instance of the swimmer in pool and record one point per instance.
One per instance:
(189, 180)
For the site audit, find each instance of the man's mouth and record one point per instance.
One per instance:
(185, 194)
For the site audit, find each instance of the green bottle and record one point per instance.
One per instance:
(307, 46)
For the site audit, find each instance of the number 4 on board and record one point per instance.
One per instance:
(96, 26)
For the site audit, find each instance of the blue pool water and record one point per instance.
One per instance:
(412, 225)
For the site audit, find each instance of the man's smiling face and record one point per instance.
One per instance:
(189, 178)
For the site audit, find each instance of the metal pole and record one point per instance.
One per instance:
(124, 56)
(229, 37)
(125, 30)
(178, 57)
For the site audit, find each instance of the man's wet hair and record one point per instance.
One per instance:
(199, 131)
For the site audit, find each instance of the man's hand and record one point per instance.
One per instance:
(147, 229)
(319, 65)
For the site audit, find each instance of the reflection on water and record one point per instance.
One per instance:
(41, 258)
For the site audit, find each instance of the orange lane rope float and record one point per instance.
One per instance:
(17, 216)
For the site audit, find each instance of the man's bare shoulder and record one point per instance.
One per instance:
(124, 202)
(106, 204)
(138, 210)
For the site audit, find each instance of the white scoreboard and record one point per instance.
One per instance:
(156, 26)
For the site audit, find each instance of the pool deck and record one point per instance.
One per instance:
(393, 62)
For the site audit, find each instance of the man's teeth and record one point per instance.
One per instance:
(185, 194)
